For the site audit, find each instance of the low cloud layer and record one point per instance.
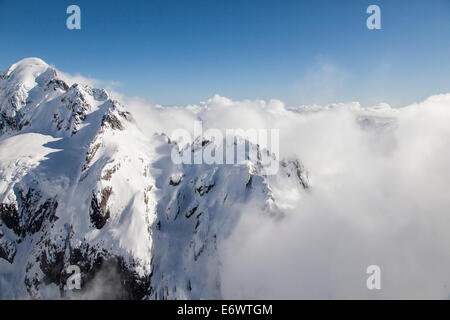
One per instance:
(379, 196)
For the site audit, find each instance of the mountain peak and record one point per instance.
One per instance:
(31, 61)
(26, 70)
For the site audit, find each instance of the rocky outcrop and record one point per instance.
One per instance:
(7, 250)
(99, 211)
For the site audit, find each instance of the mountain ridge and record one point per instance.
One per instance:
(88, 188)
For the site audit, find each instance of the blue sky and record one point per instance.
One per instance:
(181, 52)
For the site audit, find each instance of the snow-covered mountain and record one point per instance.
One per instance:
(81, 184)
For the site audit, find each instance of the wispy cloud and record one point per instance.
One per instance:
(92, 82)
(322, 83)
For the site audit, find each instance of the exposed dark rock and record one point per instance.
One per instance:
(55, 84)
(127, 115)
(75, 111)
(113, 121)
(12, 123)
(199, 252)
(10, 217)
(205, 142)
(109, 172)
(52, 266)
(111, 278)
(202, 190)
(175, 180)
(100, 94)
(249, 182)
(7, 250)
(294, 167)
(34, 213)
(90, 155)
(190, 212)
(99, 212)
(103, 276)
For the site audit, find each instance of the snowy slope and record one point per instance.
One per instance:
(82, 185)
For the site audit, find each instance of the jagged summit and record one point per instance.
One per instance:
(23, 86)
(33, 97)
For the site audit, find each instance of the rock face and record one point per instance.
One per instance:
(82, 186)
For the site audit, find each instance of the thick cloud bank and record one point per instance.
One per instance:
(380, 195)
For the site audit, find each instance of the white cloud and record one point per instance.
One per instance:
(92, 82)
(380, 195)
(377, 197)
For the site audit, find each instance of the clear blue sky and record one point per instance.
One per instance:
(185, 51)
